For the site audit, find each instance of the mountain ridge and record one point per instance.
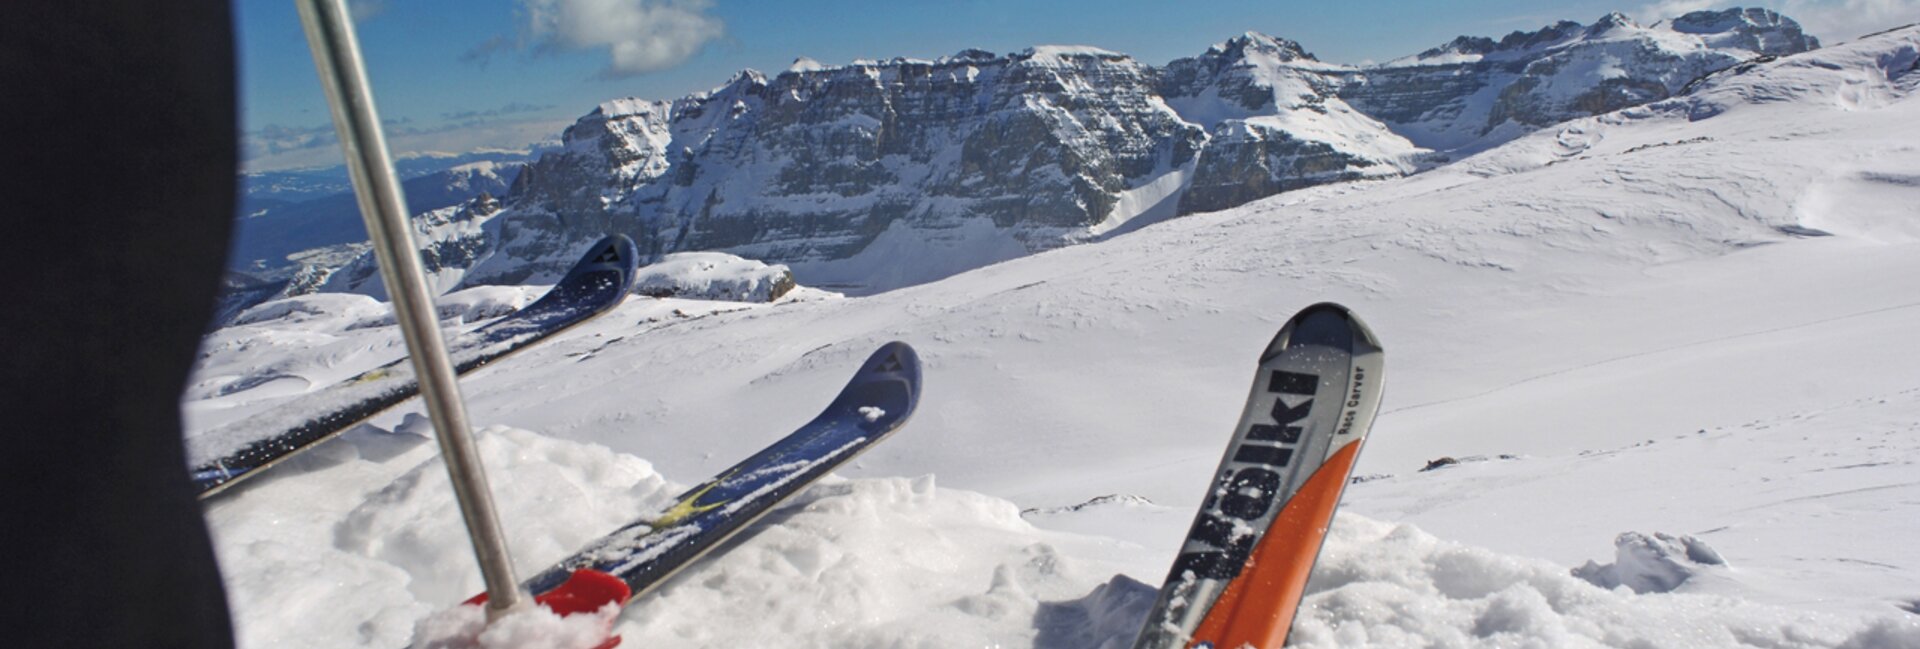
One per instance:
(880, 174)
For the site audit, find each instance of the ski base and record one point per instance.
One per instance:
(1244, 566)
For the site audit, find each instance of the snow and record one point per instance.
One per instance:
(1298, 110)
(1057, 54)
(713, 276)
(805, 64)
(1660, 563)
(1610, 323)
(466, 627)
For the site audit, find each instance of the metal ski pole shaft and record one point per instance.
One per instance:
(336, 53)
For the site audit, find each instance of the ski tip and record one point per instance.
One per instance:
(886, 389)
(608, 267)
(895, 361)
(1325, 324)
(614, 252)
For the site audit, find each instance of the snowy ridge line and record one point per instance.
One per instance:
(796, 168)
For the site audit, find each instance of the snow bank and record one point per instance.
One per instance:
(1384, 585)
(878, 563)
(352, 567)
(562, 495)
(306, 308)
(893, 562)
(1652, 564)
(713, 276)
(467, 306)
(465, 627)
(486, 302)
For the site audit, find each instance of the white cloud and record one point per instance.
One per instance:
(640, 35)
(1833, 21)
(364, 9)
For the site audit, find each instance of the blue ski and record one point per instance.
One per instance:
(595, 285)
(644, 554)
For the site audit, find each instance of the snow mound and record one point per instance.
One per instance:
(465, 627)
(1652, 564)
(467, 306)
(880, 563)
(713, 276)
(1384, 585)
(563, 495)
(891, 562)
(308, 308)
(486, 302)
(387, 557)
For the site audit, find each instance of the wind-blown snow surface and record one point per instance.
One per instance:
(1619, 325)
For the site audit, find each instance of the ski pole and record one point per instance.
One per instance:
(336, 53)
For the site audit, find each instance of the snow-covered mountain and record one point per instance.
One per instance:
(264, 238)
(1691, 318)
(1474, 91)
(1274, 123)
(283, 249)
(881, 174)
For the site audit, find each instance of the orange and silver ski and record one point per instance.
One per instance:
(1239, 577)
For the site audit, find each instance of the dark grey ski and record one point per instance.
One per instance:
(644, 554)
(596, 284)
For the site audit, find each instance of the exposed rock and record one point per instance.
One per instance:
(1469, 89)
(875, 175)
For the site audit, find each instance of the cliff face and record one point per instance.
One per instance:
(814, 165)
(879, 174)
(1275, 122)
(1474, 92)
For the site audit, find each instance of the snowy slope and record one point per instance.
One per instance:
(1632, 306)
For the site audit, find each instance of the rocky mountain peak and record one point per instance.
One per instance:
(1479, 90)
(1514, 43)
(1460, 45)
(1736, 18)
(1549, 35)
(1253, 43)
(1610, 22)
(1762, 31)
(971, 54)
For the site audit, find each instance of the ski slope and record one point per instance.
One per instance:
(1690, 318)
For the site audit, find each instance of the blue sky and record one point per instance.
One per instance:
(456, 75)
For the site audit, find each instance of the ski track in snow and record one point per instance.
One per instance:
(1611, 323)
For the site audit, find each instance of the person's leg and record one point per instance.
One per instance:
(118, 122)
